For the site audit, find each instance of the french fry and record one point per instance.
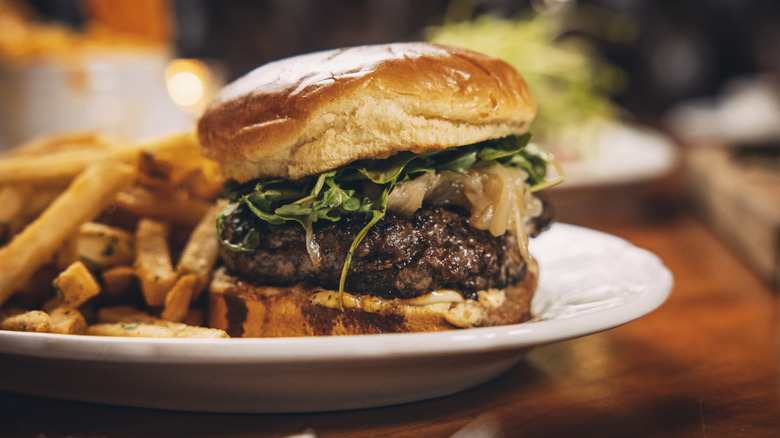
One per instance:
(185, 170)
(177, 300)
(75, 285)
(65, 164)
(117, 282)
(31, 321)
(201, 250)
(149, 330)
(128, 321)
(204, 182)
(123, 314)
(179, 145)
(83, 200)
(38, 199)
(98, 245)
(153, 261)
(49, 144)
(35, 201)
(154, 173)
(67, 320)
(37, 289)
(52, 188)
(55, 168)
(143, 202)
(10, 207)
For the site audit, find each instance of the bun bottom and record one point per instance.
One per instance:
(246, 310)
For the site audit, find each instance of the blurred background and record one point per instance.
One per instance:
(635, 96)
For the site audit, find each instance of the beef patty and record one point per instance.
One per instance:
(400, 257)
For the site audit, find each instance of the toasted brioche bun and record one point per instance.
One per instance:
(246, 310)
(308, 114)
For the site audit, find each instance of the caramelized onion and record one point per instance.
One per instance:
(495, 195)
(312, 247)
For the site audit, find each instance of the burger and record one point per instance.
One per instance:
(375, 189)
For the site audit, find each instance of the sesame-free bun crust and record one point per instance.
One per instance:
(243, 309)
(312, 113)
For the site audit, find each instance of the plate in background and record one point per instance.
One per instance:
(621, 154)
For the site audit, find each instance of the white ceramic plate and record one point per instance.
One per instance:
(622, 154)
(589, 282)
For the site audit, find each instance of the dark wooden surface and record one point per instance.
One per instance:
(705, 364)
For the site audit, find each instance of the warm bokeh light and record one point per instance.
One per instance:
(185, 88)
(186, 81)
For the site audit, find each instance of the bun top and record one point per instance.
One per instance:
(312, 113)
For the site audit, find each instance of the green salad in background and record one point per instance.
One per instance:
(571, 85)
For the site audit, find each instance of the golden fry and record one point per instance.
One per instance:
(177, 300)
(153, 261)
(143, 202)
(11, 203)
(65, 163)
(117, 282)
(181, 168)
(52, 188)
(75, 285)
(128, 321)
(37, 199)
(32, 321)
(51, 169)
(67, 320)
(178, 146)
(202, 183)
(200, 252)
(83, 200)
(122, 314)
(147, 330)
(98, 245)
(50, 144)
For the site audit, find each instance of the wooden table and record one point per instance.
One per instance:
(705, 364)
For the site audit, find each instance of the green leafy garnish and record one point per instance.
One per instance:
(363, 187)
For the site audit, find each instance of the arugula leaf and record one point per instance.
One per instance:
(503, 147)
(388, 170)
(363, 187)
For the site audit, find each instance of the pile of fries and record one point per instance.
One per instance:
(99, 236)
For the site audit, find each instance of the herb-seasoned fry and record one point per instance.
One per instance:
(123, 314)
(31, 321)
(128, 321)
(99, 246)
(88, 217)
(117, 282)
(75, 285)
(153, 261)
(84, 199)
(200, 252)
(177, 300)
(67, 320)
(148, 330)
